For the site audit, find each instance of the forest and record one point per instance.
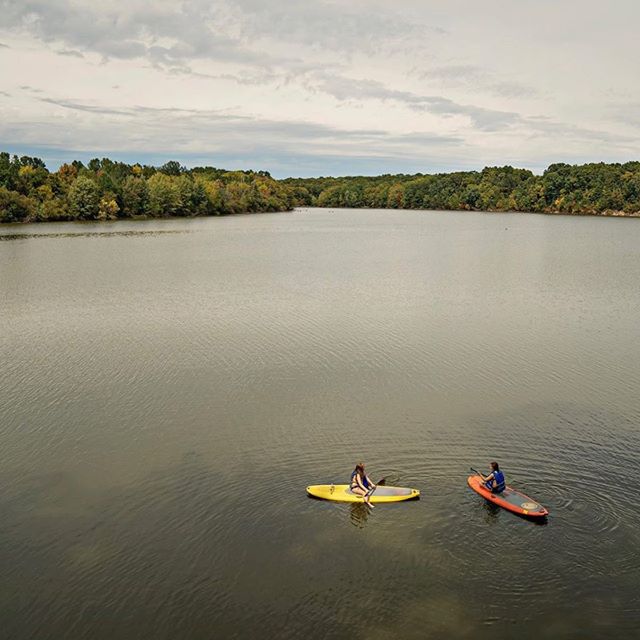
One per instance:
(590, 189)
(107, 190)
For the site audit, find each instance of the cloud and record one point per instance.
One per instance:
(4, 46)
(562, 130)
(29, 89)
(70, 52)
(627, 113)
(212, 137)
(482, 118)
(456, 72)
(358, 25)
(508, 89)
(308, 84)
(163, 32)
(298, 162)
(76, 106)
(470, 75)
(170, 34)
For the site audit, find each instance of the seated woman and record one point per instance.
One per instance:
(495, 480)
(361, 484)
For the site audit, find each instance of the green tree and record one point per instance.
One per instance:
(54, 210)
(164, 196)
(84, 199)
(9, 169)
(214, 192)
(172, 168)
(395, 197)
(135, 197)
(193, 197)
(15, 207)
(236, 197)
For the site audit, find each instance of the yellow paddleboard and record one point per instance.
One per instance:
(342, 493)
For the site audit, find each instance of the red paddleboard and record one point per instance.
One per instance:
(509, 499)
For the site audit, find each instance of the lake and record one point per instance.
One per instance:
(168, 388)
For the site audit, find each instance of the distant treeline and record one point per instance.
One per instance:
(598, 189)
(106, 190)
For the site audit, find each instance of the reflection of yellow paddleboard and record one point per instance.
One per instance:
(342, 493)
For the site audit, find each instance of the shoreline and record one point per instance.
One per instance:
(592, 214)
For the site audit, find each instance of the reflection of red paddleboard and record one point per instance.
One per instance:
(509, 499)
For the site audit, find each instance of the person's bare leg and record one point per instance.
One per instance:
(363, 494)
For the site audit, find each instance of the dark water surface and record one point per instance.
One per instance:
(169, 388)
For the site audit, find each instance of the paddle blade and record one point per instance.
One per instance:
(390, 479)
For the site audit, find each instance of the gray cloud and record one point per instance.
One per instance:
(175, 34)
(354, 26)
(292, 162)
(76, 106)
(289, 83)
(29, 89)
(461, 75)
(483, 119)
(508, 89)
(70, 52)
(284, 147)
(133, 31)
(562, 130)
(627, 113)
(177, 129)
(456, 72)
(207, 133)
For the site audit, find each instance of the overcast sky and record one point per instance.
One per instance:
(322, 87)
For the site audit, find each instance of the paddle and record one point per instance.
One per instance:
(483, 477)
(382, 482)
(478, 473)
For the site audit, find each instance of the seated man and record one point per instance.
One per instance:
(495, 480)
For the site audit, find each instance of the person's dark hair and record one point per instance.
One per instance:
(494, 466)
(360, 468)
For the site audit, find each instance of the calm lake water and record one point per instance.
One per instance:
(169, 388)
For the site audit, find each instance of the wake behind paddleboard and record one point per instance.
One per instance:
(342, 493)
(509, 499)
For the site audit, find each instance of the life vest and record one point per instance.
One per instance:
(363, 479)
(498, 476)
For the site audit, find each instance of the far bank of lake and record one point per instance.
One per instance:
(108, 190)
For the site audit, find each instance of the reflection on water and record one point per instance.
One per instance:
(359, 514)
(88, 234)
(166, 397)
(492, 510)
